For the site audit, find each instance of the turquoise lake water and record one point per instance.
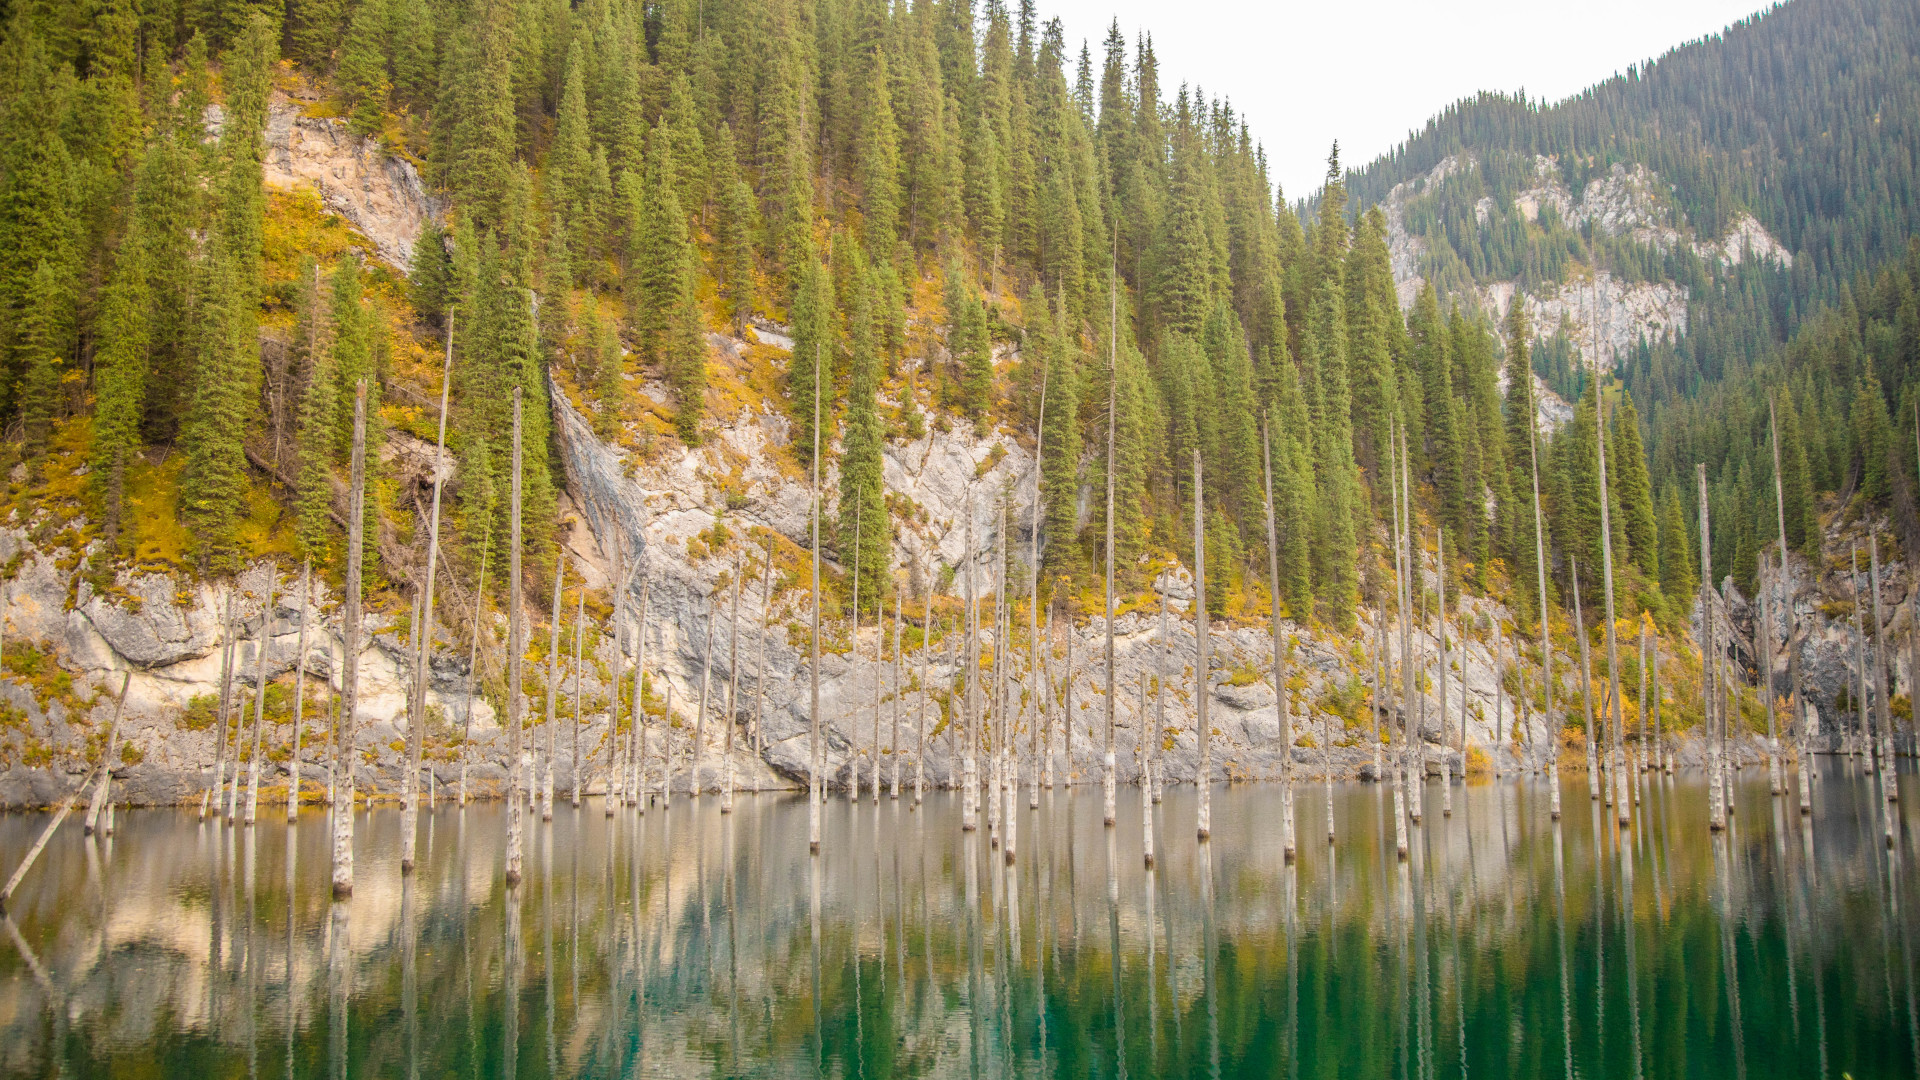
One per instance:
(685, 942)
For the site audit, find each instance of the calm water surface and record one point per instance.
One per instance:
(689, 943)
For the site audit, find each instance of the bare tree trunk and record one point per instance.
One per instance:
(1403, 550)
(1113, 395)
(260, 699)
(473, 672)
(350, 670)
(1202, 676)
(543, 788)
(1446, 724)
(1709, 663)
(926, 691)
(516, 652)
(617, 750)
(417, 722)
(813, 751)
(1281, 716)
(226, 689)
(1622, 797)
(638, 788)
(733, 696)
(1889, 774)
(579, 670)
(106, 760)
(760, 680)
(1586, 684)
(700, 718)
(969, 767)
(894, 740)
(299, 692)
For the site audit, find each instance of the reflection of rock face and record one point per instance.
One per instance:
(380, 195)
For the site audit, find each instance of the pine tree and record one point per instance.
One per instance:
(968, 343)
(35, 185)
(42, 342)
(735, 230)
(1522, 545)
(1872, 432)
(430, 273)
(1336, 550)
(570, 160)
(1796, 482)
(863, 507)
(1293, 495)
(1048, 337)
(362, 77)
(120, 379)
(1632, 489)
(878, 163)
(1372, 315)
(415, 69)
(213, 480)
(810, 372)
(1678, 576)
(313, 30)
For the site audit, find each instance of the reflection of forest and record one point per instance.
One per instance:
(683, 941)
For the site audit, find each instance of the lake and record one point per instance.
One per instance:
(685, 942)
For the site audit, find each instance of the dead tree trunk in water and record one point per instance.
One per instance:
(350, 670)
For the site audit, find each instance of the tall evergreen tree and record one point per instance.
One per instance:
(120, 379)
(362, 78)
(863, 506)
(810, 372)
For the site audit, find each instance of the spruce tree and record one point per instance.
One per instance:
(213, 479)
(811, 366)
(878, 162)
(430, 274)
(570, 160)
(863, 507)
(1293, 494)
(41, 343)
(1336, 550)
(120, 379)
(1372, 313)
(1048, 336)
(362, 77)
(1678, 575)
(968, 343)
(735, 228)
(1632, 489)
(1872, 432)
(1796, 482)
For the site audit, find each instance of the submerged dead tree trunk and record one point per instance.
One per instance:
(350, 670)
(112, 749)
(417, 721)
(260, 699)
(1280, 710)
(299, 692)
(516, 651)
(1203, 683)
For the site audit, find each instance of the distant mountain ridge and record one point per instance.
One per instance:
(1791, 137)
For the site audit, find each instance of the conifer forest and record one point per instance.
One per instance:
(558, 454)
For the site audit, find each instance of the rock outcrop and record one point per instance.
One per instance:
(378, 193)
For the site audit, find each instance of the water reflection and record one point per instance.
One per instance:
(695, 943)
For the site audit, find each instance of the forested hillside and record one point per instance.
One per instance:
(945, 206)
(1804, 120)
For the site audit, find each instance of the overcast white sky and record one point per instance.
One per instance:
(1306, 74)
